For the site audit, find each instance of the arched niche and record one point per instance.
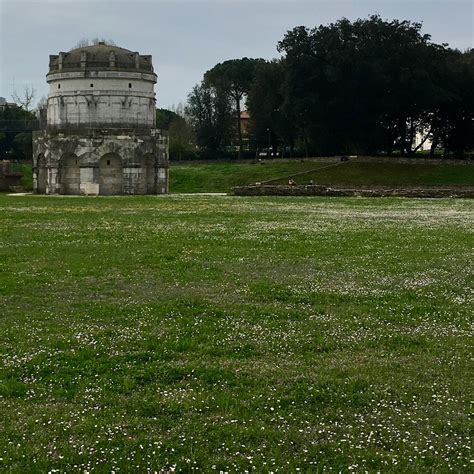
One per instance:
(110, 174)
(69, 174)
(41, 174)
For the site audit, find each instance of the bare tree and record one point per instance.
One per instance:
(25, 101)
(42, 111)
(84, 42)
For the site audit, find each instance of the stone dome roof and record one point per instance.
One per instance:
(99, 57)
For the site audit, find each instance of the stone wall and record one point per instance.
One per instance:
(317, 190)
(100, 162)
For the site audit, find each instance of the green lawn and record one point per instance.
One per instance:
(221, 177)
(232, 334)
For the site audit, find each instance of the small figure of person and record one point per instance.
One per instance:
(291, 182)
(311, 182)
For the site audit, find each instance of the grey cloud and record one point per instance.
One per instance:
(188, 37)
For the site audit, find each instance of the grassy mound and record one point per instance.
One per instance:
(221, 177)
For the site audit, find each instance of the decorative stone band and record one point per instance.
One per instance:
(58, 76)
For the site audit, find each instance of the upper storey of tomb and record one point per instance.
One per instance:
(99, 57)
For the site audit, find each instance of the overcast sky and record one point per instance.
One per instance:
(187, 37)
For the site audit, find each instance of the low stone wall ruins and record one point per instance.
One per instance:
(318, 190)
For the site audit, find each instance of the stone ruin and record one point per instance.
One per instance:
(100, 135)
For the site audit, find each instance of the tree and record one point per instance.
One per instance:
(359, 86)
(16, 125)
(182, 139)
(84, 42)
(452, 121)
(164, 117)
(182, 136)
(42, 112)
(270, 125)
(209, 112)
(233, 78)
(26, 100)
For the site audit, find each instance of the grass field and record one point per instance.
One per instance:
(233, 334)
(221, 177)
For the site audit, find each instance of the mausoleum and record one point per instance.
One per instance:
(100, 135)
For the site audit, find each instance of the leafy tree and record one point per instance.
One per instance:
(270, 125)
(209, 112)
(233, 79)
(164, 117)
(181, 134)
(16, 125)
(182, 137)
(362, 86)
(452, 121)
(359, 86)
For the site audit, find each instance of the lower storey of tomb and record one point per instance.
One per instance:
(105, 162)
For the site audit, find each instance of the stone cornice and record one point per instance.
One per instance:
(58, 76)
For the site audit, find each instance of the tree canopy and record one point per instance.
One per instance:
(16, 125)
(361, 87)
(232, 80)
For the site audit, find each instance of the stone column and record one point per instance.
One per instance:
(52, 184)
(162, 180)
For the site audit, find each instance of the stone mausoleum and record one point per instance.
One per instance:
(100, 135)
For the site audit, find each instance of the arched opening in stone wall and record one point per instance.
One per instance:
(110, 174)
(69, 174)
(41, 174)
(149, 174)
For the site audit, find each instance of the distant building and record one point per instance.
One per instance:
(100, 135)
(245, 122)
(425, 145)
(245, 127)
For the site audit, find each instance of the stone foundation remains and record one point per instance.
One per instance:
(318, 190)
